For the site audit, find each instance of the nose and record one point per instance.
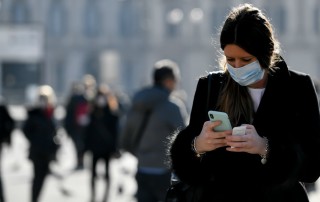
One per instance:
(238, 64)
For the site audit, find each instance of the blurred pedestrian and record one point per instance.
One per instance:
(101, 134)
(7, 125)
(155, 114)
(90, 86)
(40, 130)
(76, 118)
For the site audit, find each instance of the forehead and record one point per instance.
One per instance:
(234, 51)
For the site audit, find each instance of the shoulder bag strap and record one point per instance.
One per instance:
(217, 83)
(209, 89)
(142, 127)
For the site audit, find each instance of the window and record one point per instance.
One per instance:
(278, 16)
(317, 19)
(17, 77)
(129, 19)
(60, 76)
(128, 74)
(174, 19)
(219, 14)
(92, 19)
(57, 19)
(19, 12)
(92, 65)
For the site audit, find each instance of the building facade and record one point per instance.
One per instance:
(118, 41)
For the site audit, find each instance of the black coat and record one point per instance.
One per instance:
(102, 131)
(40, 131)
(288, 116)
(7, 125)
(71, 124)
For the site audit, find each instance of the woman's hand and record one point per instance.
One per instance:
(251, 142)
(209, 140)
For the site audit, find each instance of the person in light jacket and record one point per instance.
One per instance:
(155, 115)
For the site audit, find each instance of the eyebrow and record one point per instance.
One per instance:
(245, 57)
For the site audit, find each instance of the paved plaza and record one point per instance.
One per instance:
(66, 185)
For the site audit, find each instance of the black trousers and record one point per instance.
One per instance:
(152, 187)
(1, 191)
(95, 158)
(41, 170)
(1, 186)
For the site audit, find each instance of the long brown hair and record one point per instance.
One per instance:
(247, 27)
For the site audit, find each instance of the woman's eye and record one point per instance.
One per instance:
(246, 60)
(230, 59)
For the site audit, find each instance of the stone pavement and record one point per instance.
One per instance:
(65, 185)
(74, 185)
(315, 196)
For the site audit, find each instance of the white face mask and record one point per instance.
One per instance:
(247, 74)
(42, 102)
(101, 101)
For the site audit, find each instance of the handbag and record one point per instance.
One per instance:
(180, 191)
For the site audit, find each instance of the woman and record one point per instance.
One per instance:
(40, 130)
(278, 107)
(101, 134)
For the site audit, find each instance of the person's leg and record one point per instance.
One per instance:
(78, 138)
(41, 169)
(78, 143)
(1, 187)
(144, 193)
(80, 164)
(162, 184)
(106, 159)
(1, 190)
(93, 176)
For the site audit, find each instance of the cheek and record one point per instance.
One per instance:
(231, 63)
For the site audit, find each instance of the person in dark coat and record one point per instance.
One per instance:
(40, 130)
(278, 107)
(76, 120)
(101, 134)
(7, 125)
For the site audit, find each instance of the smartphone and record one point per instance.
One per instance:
(221, 116)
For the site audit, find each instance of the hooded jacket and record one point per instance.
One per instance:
(40, 130)
(163, 114)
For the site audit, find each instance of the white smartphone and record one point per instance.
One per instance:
(221, 116)
(240, 130)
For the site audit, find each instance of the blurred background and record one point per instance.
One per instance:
(57, 42)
